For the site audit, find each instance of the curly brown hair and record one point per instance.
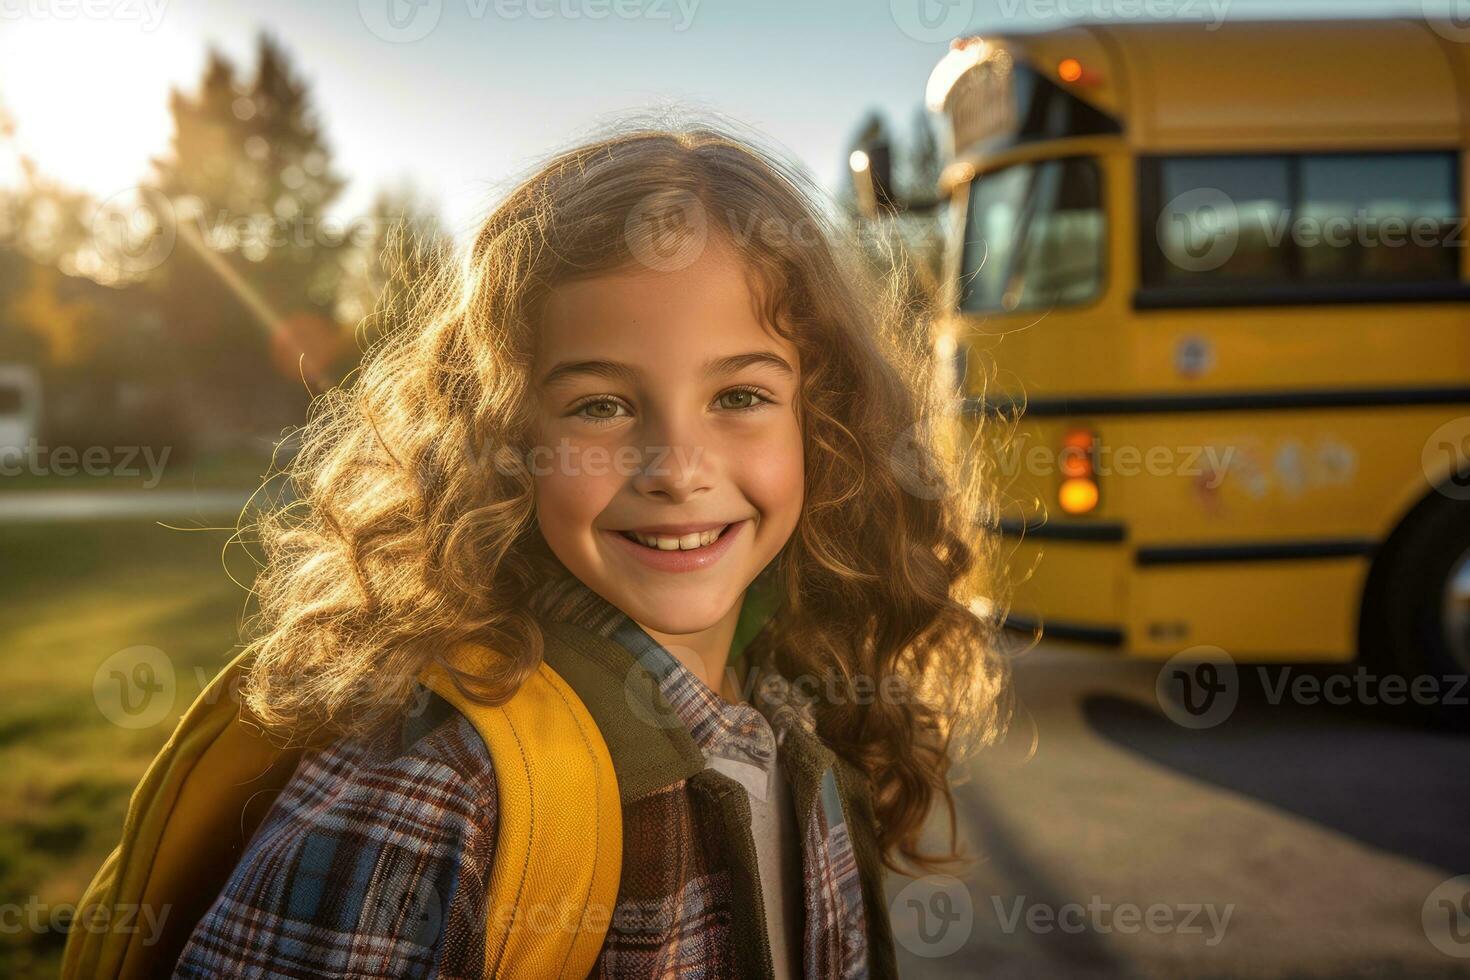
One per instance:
(400, 541)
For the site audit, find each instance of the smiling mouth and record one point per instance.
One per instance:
(677, 542)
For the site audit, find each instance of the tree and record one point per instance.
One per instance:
(251, 283)
(922, 164)
(403, 261)
(911, 227)
(44, 229)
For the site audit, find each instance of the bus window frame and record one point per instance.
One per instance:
(1156, 295)
(964, 192)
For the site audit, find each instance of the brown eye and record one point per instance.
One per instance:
(600, 410)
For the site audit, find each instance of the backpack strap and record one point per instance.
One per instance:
(558, 859)
(187, 825)
(559, 837)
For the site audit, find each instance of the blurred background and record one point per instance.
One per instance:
(1198, 272)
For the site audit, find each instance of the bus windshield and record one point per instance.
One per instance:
(1033, 237)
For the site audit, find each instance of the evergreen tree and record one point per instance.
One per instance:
(251, 285)
(405, 259)
(923, 165)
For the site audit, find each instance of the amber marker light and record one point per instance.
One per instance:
(1078, 493)
(1077, 496)
(1069, 70)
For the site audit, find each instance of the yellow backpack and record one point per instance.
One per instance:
(206, 792)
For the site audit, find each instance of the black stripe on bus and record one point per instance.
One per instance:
(1262, 551)
(1100, 531)
(1240, 401)
(1223, 296)
(1062, 630)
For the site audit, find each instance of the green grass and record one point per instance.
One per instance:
(121, 471)
(71, 596)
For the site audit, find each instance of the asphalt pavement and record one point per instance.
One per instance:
(1291, 838)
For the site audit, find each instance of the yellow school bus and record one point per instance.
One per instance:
(1220, 276)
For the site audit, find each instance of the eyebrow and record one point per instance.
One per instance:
(618, 371)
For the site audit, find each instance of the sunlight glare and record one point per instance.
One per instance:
(89, 98)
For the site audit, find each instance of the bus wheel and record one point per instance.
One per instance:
(1425, 613)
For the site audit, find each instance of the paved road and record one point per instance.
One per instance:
(1287, 841)
(96, 505)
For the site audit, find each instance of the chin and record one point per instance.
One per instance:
(677, 610)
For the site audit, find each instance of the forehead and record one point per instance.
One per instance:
(659, 319)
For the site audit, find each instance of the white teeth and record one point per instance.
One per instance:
(688, 542)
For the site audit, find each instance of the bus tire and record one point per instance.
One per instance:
(1407, 629)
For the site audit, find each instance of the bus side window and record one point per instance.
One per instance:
(1222, 217)
(1306, 220)
(1377, 217)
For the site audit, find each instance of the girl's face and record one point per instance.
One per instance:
(665, 411)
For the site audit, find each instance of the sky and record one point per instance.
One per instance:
(460, 97)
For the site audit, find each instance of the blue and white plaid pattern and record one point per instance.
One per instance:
(376, 858)
(370, 863)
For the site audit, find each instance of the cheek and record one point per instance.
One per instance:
(773, 476)
(569, 497)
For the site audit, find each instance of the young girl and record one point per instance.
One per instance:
(655, 404)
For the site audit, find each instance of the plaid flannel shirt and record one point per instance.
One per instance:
(375, 860)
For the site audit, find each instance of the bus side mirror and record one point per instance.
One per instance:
(871, 165)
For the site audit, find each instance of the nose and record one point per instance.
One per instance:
(675, 464)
